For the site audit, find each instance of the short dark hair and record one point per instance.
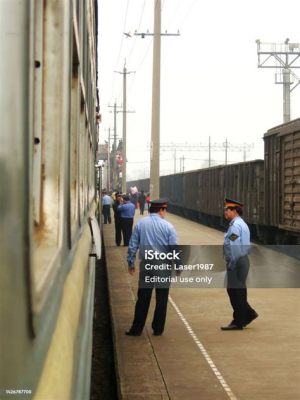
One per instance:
(156, 209)
(238, 209)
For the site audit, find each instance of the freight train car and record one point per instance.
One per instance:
(48, 103)
(270, 189)
(199, 194)
(282, 182)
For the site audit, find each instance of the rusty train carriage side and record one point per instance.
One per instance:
(204, 191)
(48, 112)
(282, 180)
(290, 214)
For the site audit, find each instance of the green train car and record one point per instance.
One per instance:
(48, 180)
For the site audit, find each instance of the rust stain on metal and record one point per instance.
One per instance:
(39, 232)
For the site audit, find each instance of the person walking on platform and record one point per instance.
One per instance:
(236, 250)
(127, 211)
(152, 231)
(106, 203)
(148, 202)
(117, 217)
(142, 201)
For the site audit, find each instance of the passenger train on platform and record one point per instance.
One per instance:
(269, 188)
(49, 202)
(50, 206)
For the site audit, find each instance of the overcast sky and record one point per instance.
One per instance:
(210, 83)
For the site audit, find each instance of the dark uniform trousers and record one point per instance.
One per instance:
(142, 307)
(142, 207)
(144, 298)
(106, 213)
(126, 225)
(118, 227)
(118, 231)
(237, 292)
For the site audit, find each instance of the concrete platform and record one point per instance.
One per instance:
(194, 359)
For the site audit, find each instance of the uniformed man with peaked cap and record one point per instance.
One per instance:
(236, 250)
(152, 232)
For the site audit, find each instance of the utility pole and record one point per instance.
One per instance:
(124, 131)
(114, 149)
(174, 160)
(155, 122)
(181, 168)
(226, 151)
(115, 177)
(285, 57)
(209, 152)
(124, 143)
(108, 162)
(286, 94)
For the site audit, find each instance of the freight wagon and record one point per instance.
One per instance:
(199, 195)
(270, 189)
(282, 182)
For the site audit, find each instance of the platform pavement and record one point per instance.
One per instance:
(194, 359)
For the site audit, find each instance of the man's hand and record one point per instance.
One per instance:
(131, 270)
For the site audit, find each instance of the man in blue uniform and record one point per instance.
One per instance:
(106, 204)
(127, 211)
(236, 250)
(155, 232)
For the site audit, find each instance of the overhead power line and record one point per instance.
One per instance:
(121, 45)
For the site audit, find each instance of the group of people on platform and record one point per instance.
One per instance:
(124, 206)
(155, 231)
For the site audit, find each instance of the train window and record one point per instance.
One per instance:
(77, 12)
(75, 115)
(91, 192)
(37, 109)
(47, 160)
(82, 147)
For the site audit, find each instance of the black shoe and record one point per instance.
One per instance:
(157, 333)
(232, 327)
(250, 319)
(133, 333)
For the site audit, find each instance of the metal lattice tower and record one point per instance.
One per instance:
(226, 147)
(284, 57)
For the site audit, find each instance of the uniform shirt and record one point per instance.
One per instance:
(116, 211)
(126, 210)
(236, 241)
(152, 231)
(106, 200)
